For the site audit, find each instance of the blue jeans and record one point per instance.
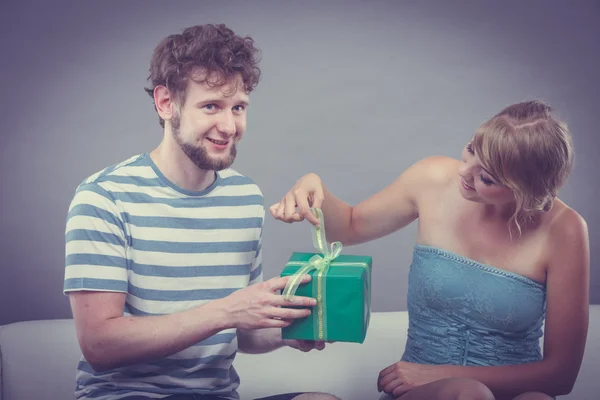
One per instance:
(286, 396)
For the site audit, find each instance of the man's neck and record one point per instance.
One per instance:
(175, 165)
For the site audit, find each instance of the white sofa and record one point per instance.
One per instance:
(38, 360)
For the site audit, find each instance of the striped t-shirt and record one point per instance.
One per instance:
(131, 230)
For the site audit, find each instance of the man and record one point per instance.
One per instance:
(163, 251)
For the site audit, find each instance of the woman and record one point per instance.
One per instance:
(496, 254)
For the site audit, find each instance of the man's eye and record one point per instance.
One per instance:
(210, 107)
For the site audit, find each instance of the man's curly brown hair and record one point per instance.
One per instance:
(215, 49)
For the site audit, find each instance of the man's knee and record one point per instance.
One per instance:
(465, 389)
(533, 396)
(316, 396)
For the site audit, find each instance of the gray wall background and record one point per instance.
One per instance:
(353, 90)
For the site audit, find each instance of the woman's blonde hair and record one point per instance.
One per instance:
(529, 151)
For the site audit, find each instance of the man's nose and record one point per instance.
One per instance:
(226, 123)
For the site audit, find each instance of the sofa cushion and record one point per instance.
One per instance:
(38, 361)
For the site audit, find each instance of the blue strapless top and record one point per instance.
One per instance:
(466, 313)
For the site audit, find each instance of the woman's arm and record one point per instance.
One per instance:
(387, 211)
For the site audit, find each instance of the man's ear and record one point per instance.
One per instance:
(164, 101)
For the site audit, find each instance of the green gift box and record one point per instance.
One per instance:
(340, 283)
(343, 293)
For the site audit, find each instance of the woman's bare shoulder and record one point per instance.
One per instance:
(567, 230)
(435, 171)
(565, 220)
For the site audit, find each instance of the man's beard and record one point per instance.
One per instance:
(199, 155)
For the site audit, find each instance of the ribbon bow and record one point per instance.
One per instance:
(318, 262)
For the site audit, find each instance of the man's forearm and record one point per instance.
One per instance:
(511, 380)
(260, 341)
(124, 341)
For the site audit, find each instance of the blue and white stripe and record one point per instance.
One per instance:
(130, 230)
